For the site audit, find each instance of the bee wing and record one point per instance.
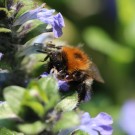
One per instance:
(95, 73)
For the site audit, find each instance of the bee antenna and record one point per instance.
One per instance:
(51, 45)
(41, 51)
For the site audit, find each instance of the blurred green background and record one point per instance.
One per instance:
(107, 31)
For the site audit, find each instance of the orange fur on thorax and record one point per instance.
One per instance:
(76, 59)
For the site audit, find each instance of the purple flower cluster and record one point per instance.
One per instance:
(100, 124)
(46, 16)
(56, 21)
(127, 117)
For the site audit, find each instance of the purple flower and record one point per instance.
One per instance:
(100, 124)
(127, 117)
(1, 54)
(56, 21)
(46, 16)
(45, 74)
(63, 85)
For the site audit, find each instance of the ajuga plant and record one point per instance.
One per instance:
(43, 83)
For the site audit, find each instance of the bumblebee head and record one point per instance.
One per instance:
(54, 53)
(57, 60)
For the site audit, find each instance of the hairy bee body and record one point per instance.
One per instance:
(74, 67)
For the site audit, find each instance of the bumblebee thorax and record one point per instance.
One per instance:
(76, 59)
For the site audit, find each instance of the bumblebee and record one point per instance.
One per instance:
(73, 66)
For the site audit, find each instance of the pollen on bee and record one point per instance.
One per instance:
(76, 59)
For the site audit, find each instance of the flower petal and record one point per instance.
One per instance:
(60, 19)
(30, 15)
(127, 117)
(88, 130)
(57, 30)
(45, 74)
(103, 119)
(99, 124)
(1, 54)
(45, 13)
(63, 85)
(48, 20)
(104, 129)
(58, 25)
(85, 119)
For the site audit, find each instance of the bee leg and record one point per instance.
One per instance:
(46, 58)
(81, 92)
(41, 51)
(88, 83)
(84, 90)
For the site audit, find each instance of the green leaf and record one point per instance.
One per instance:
(31, 29)
(36, 107)
(5, 30)
(50, 87)
(67, 120)
(28, 5)
(9, 123)
(68, 103)
(14, 96)
(5, 111)
(7, 117)
(34, 128)
(4, 13)
(33, 45)
(4, 131)
(98, 40)
(31, 101)
(36, 91)
(41, 95)
(32, 64)
(79, 132)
